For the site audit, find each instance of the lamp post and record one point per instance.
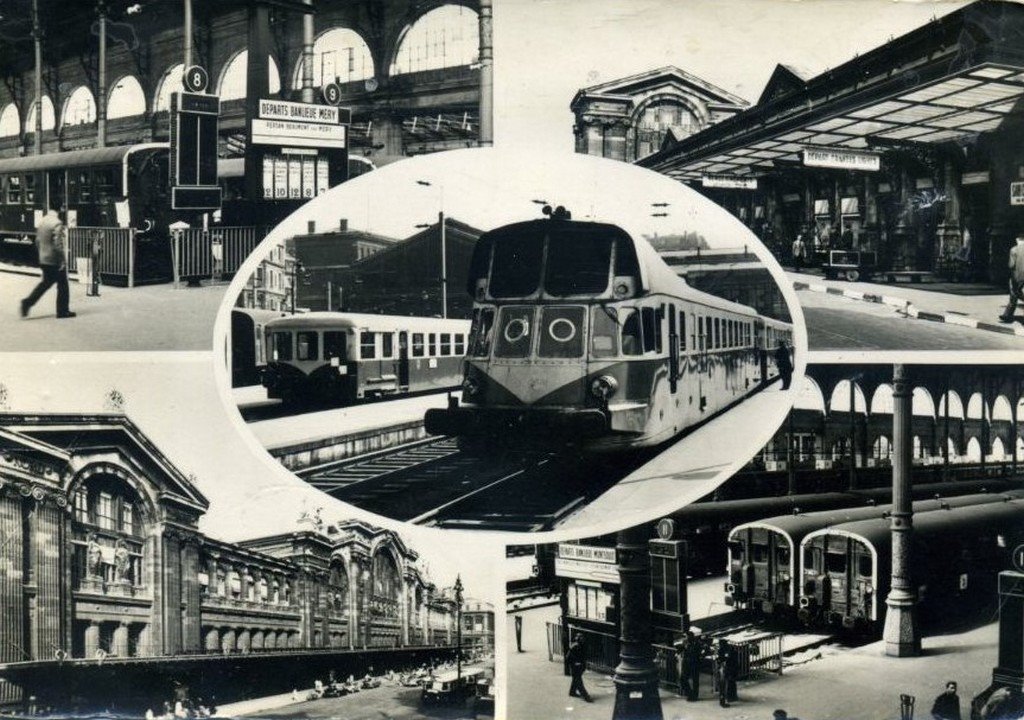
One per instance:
(297, 270)
(458, 630)
(444, 247)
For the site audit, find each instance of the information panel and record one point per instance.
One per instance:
(193, 167)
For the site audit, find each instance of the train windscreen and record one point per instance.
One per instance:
(578, 264)
(516, 262)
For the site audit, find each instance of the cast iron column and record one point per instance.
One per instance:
(790, 455)
(37, 35)
(486, 138)
(101, 91)
(257, 86)
(307, 56)
(900, 633)
(636, 677)
(851, 483)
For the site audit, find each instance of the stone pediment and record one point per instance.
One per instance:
(78, 440)
(663, 79)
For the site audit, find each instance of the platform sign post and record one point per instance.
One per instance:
(193, 167)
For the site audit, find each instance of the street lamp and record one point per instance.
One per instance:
(458, 630)
(444, 247)
(297, 269)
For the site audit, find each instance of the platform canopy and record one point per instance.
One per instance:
(954, 78)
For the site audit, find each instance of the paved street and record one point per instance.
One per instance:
(151, 317)
(838, 323)
(387, 701)
(827, 683)
(835, 322)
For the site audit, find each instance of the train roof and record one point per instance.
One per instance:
(800, 525)
(75, 158)
(998, 516)
(323, 319)
(655, 274)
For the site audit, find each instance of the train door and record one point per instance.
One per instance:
(782, 575)
(403, 359)
(835, 592)
(861, 580)
(673, 349)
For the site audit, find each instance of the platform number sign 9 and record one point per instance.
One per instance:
(332, 93)
(195, 79)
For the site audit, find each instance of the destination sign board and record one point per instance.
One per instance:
(298, 134)
(841, 159)
(593, 553)
(729, 181)
(303, 112)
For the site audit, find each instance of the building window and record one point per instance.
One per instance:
(367, 345)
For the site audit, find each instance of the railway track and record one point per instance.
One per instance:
(433, 483)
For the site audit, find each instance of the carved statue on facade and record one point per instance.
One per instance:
(122, 563)
(94, 556)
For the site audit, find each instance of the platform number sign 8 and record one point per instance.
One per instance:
(195, 79)
(332, 93)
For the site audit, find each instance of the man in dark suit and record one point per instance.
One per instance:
(577, 666)
(51, 237)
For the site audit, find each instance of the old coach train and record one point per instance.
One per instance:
(124, 186)
(957, 553)
(763, 555)
(582, 334)
(340, 358)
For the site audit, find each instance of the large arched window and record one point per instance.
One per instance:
(339, 55)
(232, 85)
(169, 83)
(80, 108)
(108, 535)
(126, 99)
(9, 121)
(386, 585)
(337, 589)
(448, 36)
(47, 115)
(657, 119)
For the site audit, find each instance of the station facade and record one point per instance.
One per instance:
(102, 556)
(910, 150)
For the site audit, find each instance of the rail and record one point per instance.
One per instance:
(197, 253)
(110, 251)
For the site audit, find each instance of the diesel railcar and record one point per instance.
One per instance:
(583, 335)
(125, 186)
(340, 358)
(957, 553)
(763, 555)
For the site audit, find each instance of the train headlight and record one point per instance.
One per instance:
(561, 330)
(604, 387)
(470, 386)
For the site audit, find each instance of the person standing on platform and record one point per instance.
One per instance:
(799, 251)
(51, 237)
(689, 650)
(947, 705)
(784, 364)
(577, 666)
(519, 633)
(1016, 279)
(726, 671)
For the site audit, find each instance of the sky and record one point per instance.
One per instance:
(546, 50)
(174, 400)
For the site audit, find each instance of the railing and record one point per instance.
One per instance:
(198, 253)
(758, 654)
(111, 248)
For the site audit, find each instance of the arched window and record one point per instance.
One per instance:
(80, 108)
(233, 83)
(448, 36)
(657, 119)
(339, 55)
(9, 121)
(337, 588)
(840, 401)
(107, 535)
(48, 116)
(126, 99)
(169, 83)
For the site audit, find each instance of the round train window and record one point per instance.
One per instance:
(516, 329)
(561, 330)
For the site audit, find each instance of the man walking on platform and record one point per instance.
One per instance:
(577, 665)
(51, 236)
(1016, 279)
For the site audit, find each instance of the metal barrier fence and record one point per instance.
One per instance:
(762, 653)
(111, 248)
(198, 253)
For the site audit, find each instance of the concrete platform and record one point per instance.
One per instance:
(688, 470)
(979, 310)
(150, 317)
(827, 683)
(311, 439)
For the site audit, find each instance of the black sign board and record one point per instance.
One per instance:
(193, 167)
